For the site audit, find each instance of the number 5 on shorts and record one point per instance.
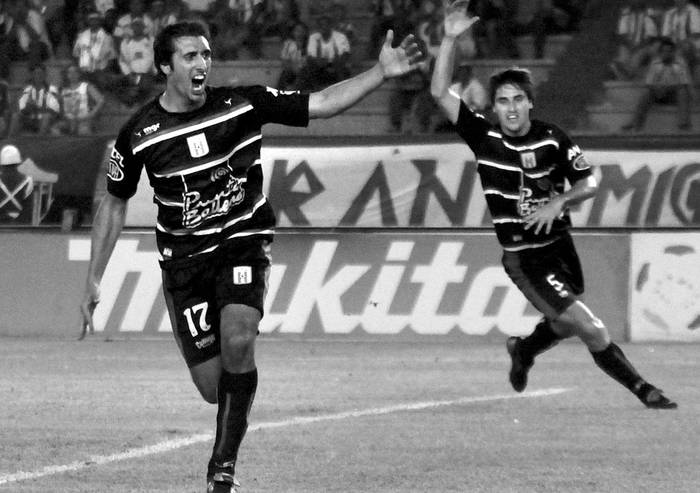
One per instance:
(557, 285)
(191, 313)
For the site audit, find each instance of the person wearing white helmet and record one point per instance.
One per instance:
(15, 188)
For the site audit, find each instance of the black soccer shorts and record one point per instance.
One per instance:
(196, 291)
(550, 277)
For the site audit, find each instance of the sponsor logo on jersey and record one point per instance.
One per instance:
(205, 342)
(277, 92)
(150, 129)
(115, 168)
(196, 210)
(526, 204)
(198, 145)
(573, 152)
(242, 274)
(528, 160)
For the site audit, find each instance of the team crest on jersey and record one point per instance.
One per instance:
(198, 145)
(528, 160)
(116, 166)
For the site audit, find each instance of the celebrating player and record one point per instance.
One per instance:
(523, 165)
(200, 146)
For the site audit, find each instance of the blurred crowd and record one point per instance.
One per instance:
(659, 45)
(109, 44)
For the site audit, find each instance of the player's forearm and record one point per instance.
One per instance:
(341, 96)
(444, 67)
(107, 226)
(580, 191)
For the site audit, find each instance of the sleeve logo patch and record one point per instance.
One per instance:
(115, 169)
(580, 163)
(242, 275)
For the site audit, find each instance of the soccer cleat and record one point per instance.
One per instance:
(654, 398)
(222, 483)
(519, 365)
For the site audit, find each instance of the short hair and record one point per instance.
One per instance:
(519, 77)
(164, 45)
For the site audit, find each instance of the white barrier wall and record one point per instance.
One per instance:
(665, 287)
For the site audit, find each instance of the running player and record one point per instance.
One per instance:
(523, 165)
(200, 147)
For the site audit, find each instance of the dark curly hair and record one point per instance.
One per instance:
(164, 46)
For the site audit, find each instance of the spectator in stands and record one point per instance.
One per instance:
(342, 23)
(551, 17)
(293, 57)
(26, 34)
(124, 27)
(252, 16)
(430, 26)
(398, 15)
(15, 188)
(6, 45)
(637, 36)
(5, 111)
(160, 16)
(136, 63)
(228, 33)
(681, 23)
(411, 106)
(94, 48)
(667, 81)
(328, 53)
(281, 17)
(81, 102)
(495, 32)
(38, 106)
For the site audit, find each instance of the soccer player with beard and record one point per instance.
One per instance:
(524, 165)
(200, 147)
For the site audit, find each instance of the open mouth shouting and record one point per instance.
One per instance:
(198, 83)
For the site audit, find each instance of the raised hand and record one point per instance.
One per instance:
(400, 60)
(457, 21)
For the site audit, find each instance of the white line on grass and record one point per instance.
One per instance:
(174, 444)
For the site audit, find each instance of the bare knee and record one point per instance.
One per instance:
(239, 329)
(209, 394)
(585, 325)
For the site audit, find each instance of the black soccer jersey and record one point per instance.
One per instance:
(204, 166)
(521, 174)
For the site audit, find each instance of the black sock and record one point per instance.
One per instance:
(541, 339)
(613, 362)
(235, 394)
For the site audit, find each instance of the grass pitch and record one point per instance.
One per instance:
(341, 416)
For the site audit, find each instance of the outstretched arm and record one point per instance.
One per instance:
(456, 22)
(393, 62)
(107, 226)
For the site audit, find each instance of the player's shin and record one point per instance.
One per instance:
(614, 362)
(236, 392)
(541, 339)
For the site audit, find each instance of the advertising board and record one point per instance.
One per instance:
(665, 287)
(356, 284)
